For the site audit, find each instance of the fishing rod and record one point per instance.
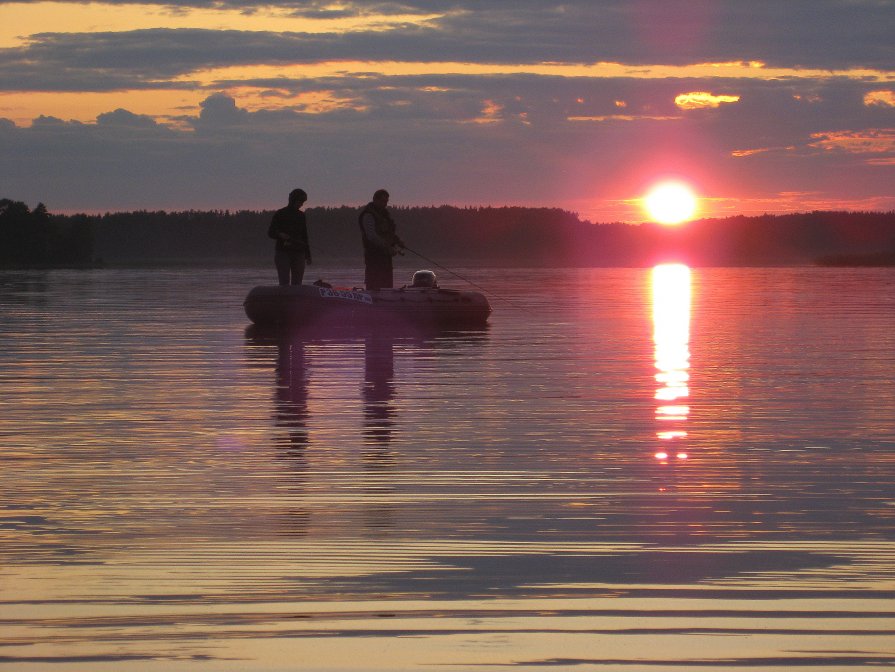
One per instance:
(467, 280)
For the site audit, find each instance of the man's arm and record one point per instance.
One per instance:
(275, 230)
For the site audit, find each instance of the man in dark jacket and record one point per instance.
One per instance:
(290, 229)
(381, 242)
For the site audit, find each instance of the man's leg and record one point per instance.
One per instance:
(297, 266)
(281, 261)
(378, 274)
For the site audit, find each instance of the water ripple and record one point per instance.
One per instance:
(181, 490)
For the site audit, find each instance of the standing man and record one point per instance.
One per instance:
(381, 242)
(290, 229)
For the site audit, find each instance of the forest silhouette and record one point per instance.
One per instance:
(498, 236)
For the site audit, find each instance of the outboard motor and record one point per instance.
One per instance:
(424, 279)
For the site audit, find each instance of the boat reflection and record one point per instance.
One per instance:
(671, 290)
(335, 414)
(379, 389)
(297, 354)
(292, 397)
(331, 357)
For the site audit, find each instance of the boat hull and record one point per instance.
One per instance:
(315, 306)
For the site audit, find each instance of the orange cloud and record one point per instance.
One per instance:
(491, 113)
(29, 18)
(749, 152)
(307, 102)
(624, 117)
(700, 100)
(760, 150)
(873, 141)
(883, 98)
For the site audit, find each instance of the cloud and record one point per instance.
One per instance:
(220, 110)
(791, 34)
(145, 56)
(868, 141)
(880, 98)
(510, 101)
(123, 119)
(414, 133)
(700, 100)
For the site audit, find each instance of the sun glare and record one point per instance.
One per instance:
(670, 203)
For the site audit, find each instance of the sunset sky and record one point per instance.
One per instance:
(761, 106)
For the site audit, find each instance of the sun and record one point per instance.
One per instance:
(670, 203)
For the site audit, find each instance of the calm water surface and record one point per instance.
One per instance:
(629, 469)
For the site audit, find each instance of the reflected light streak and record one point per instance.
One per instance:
(663, 456)
(672, 412)
(671, 337)
(670, 436)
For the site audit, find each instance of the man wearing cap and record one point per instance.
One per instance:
(381, 242)
(290, 229)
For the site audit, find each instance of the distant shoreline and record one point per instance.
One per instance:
(506, 237)
(876, 260)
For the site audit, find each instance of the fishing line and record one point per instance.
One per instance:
(464, 279)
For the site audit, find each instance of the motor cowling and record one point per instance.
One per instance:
(424, 279)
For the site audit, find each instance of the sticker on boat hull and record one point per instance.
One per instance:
(346, 294)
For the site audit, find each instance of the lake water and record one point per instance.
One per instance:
(629, 469)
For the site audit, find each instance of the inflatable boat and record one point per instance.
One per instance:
(320, 305)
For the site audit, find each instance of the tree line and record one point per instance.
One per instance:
(34, 238)
(470, 235)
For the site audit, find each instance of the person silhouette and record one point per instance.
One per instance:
(381, 242)
(290, 229)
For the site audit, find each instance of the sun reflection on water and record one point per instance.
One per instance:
(671, 336)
